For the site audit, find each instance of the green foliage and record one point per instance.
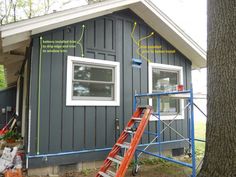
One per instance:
(86, 172)
(16, 10)
(2, 77)
(11, 135)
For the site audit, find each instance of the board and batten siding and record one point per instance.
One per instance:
(7, 99)
(66, 128)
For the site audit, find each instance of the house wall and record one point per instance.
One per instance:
(7, 98)
(64, 128)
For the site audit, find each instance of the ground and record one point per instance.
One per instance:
(150, 168)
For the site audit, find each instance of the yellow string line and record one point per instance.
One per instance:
(145, 37)
(144, 57)
(81, 48)
(150, 47)
(78, 42)
(138, 43)
(82, 34)
(134, 27)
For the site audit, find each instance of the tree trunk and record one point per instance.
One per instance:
(220, 152)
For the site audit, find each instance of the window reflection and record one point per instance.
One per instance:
(165, 81)
(93, 82)
(84, 72)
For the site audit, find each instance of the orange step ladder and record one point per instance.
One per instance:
(134, 129)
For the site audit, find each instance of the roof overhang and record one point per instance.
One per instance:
(17, 35)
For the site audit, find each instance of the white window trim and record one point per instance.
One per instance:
(71, 102)
(170, 68)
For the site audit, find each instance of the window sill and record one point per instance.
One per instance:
(166, 117)
(92, 103)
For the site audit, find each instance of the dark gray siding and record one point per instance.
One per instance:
(7, 98)
(64, 128)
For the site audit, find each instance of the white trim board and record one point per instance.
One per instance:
(170, 68)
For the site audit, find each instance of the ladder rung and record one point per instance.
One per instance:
(143, 106)
(124, 145)
(111, 173)
(137, 118)
(129, 131)
(103, 174)
(117, 159)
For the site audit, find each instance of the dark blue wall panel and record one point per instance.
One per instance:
(7, 98)
(67, 128)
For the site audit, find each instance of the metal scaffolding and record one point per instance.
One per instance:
(156, 141)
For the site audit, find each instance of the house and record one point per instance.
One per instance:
(75, 73)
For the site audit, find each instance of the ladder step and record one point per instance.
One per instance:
(111, 173)
(124, 145)
(103, 174)
(137, 118)
(117, 159)
(129, 131)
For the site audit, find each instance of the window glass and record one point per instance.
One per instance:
(92, 89)
(85, 72)
(164, 81)
(92, 82)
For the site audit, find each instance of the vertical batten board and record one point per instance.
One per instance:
(127, 72)
(67, 112)
(119, 58)
(100, 127)
(79, 115)
(171, 58)
(101, 117)
(179, 123)
(144, 75)
(151, 56)
(158, 59)
(90, 117)
(136, 71)
(109, 34)
(45, 99)
(165, 60)
(111, 112)
(56, 97)
(34, 95)
(188, 86)
(100, 33)
(185, 121)
(79, 119)
(90, 29)
(110, 133)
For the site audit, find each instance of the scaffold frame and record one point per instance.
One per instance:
(189, 104)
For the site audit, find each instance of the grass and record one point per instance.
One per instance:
(200, 131)
(2, 77)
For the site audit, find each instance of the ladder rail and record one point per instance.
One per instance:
(130, 148)
(139, 132)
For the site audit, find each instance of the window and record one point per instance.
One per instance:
(164, 78)
(92, 82)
